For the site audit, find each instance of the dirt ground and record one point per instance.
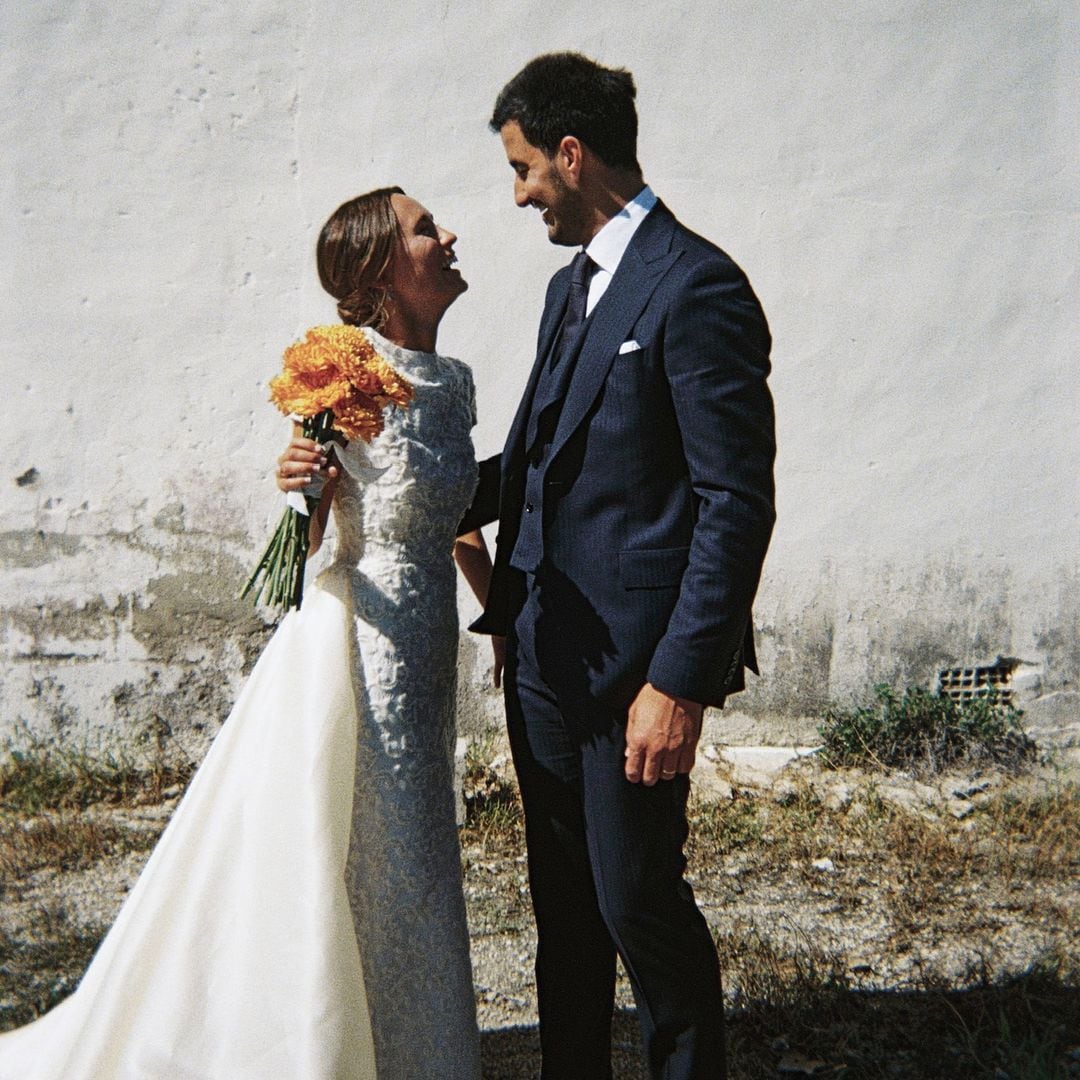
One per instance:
(868, 926)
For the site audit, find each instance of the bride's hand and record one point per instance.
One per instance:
(301, 463)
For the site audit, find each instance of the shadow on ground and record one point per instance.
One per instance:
(513, 1053)
(1025, 1029)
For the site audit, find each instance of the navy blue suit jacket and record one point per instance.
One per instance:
(657, 487)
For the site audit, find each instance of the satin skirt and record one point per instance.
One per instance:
(235, 955)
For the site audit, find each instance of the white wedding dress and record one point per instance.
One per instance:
(302, 916)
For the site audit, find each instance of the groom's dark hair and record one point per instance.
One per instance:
(565, 93)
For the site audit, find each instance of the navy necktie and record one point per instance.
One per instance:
(555, 376)
(577, 299)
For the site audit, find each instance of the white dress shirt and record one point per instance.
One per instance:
(608, 246)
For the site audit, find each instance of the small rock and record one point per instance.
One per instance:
(838, 798)
(903, 797)
(969, 791)
(961, 810)
(826, 866)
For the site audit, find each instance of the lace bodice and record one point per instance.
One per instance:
(397, 507)
(407, 489)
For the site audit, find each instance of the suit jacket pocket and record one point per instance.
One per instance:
(653, 568)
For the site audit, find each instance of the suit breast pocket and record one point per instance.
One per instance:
(632, 370)
(653, 568)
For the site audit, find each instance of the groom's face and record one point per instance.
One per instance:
(546, 183)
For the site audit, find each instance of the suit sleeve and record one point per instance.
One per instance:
(485, 504)
(716, 358)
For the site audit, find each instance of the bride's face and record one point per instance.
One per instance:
(422, 278)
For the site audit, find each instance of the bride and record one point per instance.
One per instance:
(302, 916)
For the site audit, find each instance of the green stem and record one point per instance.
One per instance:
(278, 578)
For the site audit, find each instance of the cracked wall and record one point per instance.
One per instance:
(160, 654)
(897, 179)
(843, 632)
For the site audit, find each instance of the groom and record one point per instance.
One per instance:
(635, 500)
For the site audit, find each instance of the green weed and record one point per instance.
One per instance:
(925, 732)
(38, 776)
(492, 804)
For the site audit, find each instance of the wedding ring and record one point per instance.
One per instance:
(667, 775)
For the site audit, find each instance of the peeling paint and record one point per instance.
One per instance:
(171, 518)
(168, 652)
(38, 624)
(188, 610)
(29, 547)
(171, 653)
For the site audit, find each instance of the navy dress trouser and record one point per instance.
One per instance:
(606, 871)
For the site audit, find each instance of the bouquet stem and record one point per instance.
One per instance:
(278, 579)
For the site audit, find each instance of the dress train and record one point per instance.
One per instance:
(234, 957)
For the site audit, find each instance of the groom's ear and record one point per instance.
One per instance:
(569, 156)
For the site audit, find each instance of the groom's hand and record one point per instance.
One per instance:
(661, 736)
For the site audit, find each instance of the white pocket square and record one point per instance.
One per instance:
(628, 346)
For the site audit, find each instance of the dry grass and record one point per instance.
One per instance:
(58, 816)
(63, 841)
(493, 813)
(37, 776)
(931, 888)
(894, 962)
(864, 935)
(802, 1008)
(41, 964)
(1012, 836)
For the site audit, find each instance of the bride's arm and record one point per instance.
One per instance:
(471, 555)
(321, 514)
(301, 461)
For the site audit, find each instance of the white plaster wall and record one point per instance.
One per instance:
(898, 179)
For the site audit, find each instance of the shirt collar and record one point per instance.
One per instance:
(609, 245)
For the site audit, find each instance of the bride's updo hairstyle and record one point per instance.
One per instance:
(353, 252)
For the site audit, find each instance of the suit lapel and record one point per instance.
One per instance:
(646, 260)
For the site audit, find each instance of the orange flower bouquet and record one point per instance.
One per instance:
(334, 380)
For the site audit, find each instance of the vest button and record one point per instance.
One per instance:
(528, 508)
